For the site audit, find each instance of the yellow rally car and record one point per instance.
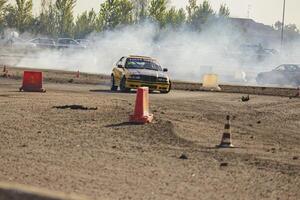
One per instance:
(139, 71)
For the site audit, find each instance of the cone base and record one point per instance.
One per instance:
(32, 90)
(211, 88)
(225, 145)
(141, 120)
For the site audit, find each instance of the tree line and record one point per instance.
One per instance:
(57, 19)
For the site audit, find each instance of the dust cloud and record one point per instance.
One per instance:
(220, 48)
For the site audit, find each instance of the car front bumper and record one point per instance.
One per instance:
(159, 86)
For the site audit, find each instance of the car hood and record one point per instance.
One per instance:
(147, 72)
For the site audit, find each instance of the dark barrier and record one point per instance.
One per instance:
(10, 191)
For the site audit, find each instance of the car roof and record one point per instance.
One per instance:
(42, 39)
(65, 39)
(141, 57)
(288, 65)
(291, 64)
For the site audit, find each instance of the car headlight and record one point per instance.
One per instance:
(136, 77)
(162, 79)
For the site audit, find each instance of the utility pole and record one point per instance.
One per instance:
(282, 28)
(248, 12)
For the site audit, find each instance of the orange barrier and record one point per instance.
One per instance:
(12, 191)
(210, 82)
(32, 82)
(226, 138)
(141, 113)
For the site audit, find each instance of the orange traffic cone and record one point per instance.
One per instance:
(78, 74)
(226, 138)
(141, 113)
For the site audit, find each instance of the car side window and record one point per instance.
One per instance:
(293, 68)
(73, 42)
(280, 68)
(121, 61)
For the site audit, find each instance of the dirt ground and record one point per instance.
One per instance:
(97, 153)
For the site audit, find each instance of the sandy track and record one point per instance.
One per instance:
(98, 154)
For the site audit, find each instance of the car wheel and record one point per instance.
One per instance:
(123, 85)
(113, 85)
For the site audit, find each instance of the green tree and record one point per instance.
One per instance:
(115, 12)
(64, 16)
(85, 24)
(291, 28)
(224, 11)
(47, 21)
(175, 18)
(191, 10)
(278, 25)
(140, 10)
(158, 10)
(2, 13)
(199, 15)
(20, 16)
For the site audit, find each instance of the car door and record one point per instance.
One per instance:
(278, 75)
(288, 75)
(294, 74)
(119, 70)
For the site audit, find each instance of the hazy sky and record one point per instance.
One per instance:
(265, 11)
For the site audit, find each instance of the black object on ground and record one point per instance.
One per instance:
(224, 164)
(74, 107)
(246, 98)
(183, 157)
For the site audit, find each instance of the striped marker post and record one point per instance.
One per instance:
(226, 138)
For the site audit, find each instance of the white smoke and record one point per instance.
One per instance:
(187, 54)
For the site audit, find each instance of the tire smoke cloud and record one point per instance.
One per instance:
(220, 48)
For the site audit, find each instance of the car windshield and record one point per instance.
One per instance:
(292, 67)
(288, 68)
(138, 63)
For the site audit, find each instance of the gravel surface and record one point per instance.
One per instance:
(97, 153)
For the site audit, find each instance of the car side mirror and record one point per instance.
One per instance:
(165, 70)
(120, 66)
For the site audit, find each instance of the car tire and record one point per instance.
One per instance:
(113, 84)
(166, 92)
(123, 85)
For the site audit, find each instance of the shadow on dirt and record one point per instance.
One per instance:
(122, 124)
(112, 92)
(75, 107)
(119, 92)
